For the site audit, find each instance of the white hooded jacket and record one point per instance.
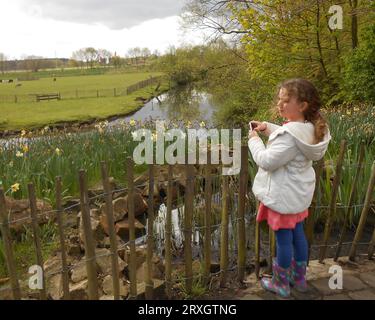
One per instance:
(285, 181)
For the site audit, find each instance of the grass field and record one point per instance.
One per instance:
(71, 84)
(31, 114)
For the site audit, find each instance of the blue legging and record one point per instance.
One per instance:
(286, 241)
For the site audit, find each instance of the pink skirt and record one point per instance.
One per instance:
(278, 220)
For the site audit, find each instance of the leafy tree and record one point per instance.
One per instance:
(359, 72)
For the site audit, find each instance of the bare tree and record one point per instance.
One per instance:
(32, 63)
(134, 54)
(215, 16)
(91, 55)
(79, 56)
(145, 54)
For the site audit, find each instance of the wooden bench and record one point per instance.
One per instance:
(50, 96)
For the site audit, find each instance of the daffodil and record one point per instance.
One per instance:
(132, 122)
(154, 136)
(188, 125)
(58, 151)
(15, 187)
(23, 133)
(19, 154)
(202, 124)
(25, 148)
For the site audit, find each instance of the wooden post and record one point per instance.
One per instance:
(351, 200)
(313, 209)
(364, 213)
(207, 220)
(8, 249)
(132, 263)
(272, 248)
(244, 177)
(168, 235)
(36, 231)
(64, 264)
(257, 242)
(332, 209)
(149, 293)
(111, 230)
(371, 246)
(89, 241)
(224, 232)
(188, 216)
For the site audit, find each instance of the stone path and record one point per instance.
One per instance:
(358, 282)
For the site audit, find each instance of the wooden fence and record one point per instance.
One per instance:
(78, 94)
(244, 209)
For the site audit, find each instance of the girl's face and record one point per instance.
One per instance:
(289, 107)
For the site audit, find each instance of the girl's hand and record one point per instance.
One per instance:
(252, 134)
(259, 126)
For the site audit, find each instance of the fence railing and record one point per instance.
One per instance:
(83, 93)
(238, 215)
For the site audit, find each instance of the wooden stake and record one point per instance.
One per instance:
(188, 217)
(364, 213)
(89, 240)
(353, 191)
(244, 177)
(224, 232)
(64, 264)
(332, 209)
(8, 249)
(36, 231)
(168, 235)
(207, 220)
(313, 209)
(150, 234)
(111, 230)
(133, 263)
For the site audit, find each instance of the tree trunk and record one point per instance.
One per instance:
(318, 40)
(354, 6)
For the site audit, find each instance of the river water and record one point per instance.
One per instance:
(181, 103)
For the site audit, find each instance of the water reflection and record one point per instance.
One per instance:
(182, 103)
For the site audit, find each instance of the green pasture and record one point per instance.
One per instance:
(31, 115)
(73, 83)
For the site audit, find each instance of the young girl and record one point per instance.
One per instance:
(285, 181)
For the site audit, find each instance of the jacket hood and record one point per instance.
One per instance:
(304, 135)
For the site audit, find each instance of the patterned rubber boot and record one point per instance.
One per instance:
(297, 275)
(279, 283)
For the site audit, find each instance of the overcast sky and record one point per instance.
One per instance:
(52, 28)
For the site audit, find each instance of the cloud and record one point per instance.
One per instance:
(115, 14)
(29, 32)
